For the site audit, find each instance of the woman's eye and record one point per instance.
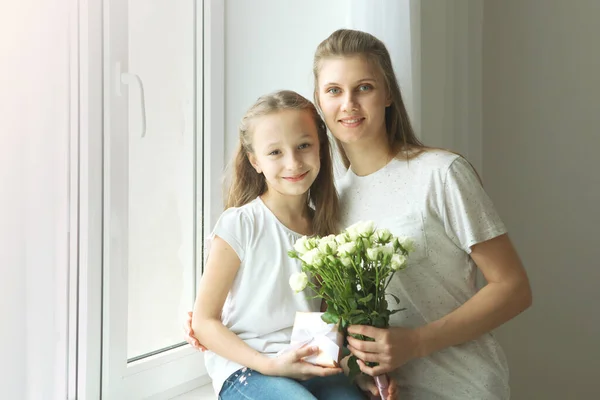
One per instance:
(274, 153)
(304, 146)
(333, 90)
(364, 88)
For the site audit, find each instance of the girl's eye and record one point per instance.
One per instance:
(364, 88)
(274, 153)
(333, 90)
(304, 146)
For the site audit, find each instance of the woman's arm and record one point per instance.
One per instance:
(507, 294)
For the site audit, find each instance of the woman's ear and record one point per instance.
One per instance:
(254, 163)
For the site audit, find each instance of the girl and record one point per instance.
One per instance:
(244, 310)
(441, 346)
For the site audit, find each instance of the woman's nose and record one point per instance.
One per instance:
(349, 104)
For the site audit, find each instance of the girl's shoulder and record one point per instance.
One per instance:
(241, 215)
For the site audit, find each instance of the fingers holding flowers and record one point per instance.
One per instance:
(391, 348)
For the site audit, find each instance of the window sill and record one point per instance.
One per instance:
(204, 392)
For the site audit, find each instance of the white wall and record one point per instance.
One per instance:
(34, 133)
(449, 75)
(269, 45)
(541, 119)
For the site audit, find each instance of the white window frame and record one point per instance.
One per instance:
(88, 320)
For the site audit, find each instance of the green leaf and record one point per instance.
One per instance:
(395, 298)
(330, 318)
(353, 304)
(353, 367)
(366, 299)
(380, 322)
(395, 311)
(345, 353)
(360, 319)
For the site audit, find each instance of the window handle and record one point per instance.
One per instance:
(127, 78)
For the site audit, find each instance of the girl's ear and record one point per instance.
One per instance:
(252, 159)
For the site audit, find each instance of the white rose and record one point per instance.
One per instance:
(301, 245)
(407, 243)
(365, 229)
(383, 235)
(372, 253)
(328, 246)
(341, 238)
(346, 261)
(298, 281)
(398, 261)
(347, 249)
(312, 257)
(387, 250)
(361, 229)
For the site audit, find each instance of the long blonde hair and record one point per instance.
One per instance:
(347, 43)
(247, 184)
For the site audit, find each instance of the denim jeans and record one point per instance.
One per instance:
(247, 384)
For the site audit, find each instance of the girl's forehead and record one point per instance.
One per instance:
(285, 124)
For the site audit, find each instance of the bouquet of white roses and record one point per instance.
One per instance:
(351, 272)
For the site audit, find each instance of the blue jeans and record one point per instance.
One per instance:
(247, 384)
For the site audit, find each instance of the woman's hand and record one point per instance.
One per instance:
(367, 384)
(189, 334)
(392, 348)
(291, 365)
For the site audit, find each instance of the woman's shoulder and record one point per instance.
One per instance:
(430, 160)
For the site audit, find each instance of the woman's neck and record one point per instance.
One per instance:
(291, 211)
(369, 157)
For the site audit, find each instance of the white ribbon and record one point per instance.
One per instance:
(319, 334)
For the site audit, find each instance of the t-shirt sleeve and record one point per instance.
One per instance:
(469, 214)
(234, 227)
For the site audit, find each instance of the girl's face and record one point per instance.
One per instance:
(286, 150)
(353, 97)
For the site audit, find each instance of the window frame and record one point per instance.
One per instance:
(88, 319)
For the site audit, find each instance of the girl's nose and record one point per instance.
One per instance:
(294, 162)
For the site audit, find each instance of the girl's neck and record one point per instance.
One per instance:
(369, 156)
(291, 211)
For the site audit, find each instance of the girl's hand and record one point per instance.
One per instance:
(392, 348)
(367, 385)
(189, 334)
(291, 365)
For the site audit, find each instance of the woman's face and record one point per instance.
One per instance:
(353, 97)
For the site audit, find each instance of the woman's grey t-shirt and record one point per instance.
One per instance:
(438, 201)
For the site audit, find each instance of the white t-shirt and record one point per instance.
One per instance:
(437, 199)
(260, 307)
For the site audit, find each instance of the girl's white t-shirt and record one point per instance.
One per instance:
(438, 201)
(260, 307)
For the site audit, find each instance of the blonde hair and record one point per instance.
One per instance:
(347, 43)
(247, 184)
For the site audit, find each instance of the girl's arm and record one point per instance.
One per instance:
(220, 271)
(507, 294)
